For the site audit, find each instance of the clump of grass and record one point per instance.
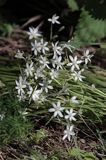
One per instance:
(13, 125)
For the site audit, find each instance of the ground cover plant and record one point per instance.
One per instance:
(54, 96)
(39, 81)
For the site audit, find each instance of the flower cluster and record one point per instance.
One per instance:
(43, 67)
(68, 115)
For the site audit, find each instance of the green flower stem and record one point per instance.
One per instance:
(51, 32)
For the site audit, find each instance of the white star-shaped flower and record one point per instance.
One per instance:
(33, 33)
(54, 74)
(57, 109)
(87, 57)
(36, 47)
(70, 115)
(46, 85)
(74, 100)
(20, 85)
(57, 63)
(68, 132)
(19, 54)
(39, 73)
(77, 76)
(57, 50)
(74, 63)
(44, 62)
(29, 69)
(36, 94)
(43, 46)
(54, 19)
